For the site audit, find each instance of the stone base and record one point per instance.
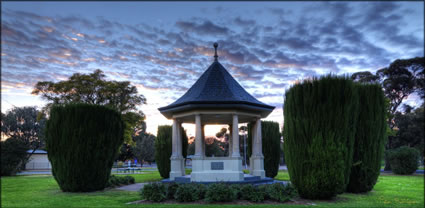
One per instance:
(177, 167)
(224, 169)
(257, 166)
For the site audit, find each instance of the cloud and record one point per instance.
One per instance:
(204, 28)
(266, 57)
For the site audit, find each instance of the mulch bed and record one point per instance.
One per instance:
(295, 201)
(235, 202)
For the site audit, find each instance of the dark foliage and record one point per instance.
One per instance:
(163, 148)
(120, 180)
(171, 190)
(82, 141)
(320, 120)
(95, 89)
(155, 192)
(252, 193)
(27, 125)
(370, 139)
(13, 153)
(220, 192)
(187, 193)
(410, 129)
(270, 146)
(280, 192)
(404, 160)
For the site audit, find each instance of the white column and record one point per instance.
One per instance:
(235, 137)
(257, 158)
(198, 136)
(230, 140)
(203, 140)
(175, 140)
(258, 138)
(177, 166)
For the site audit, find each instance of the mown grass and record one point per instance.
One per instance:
(43, 191)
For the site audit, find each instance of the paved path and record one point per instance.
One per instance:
(132, 187)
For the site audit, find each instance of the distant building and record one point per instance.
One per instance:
(38, 161)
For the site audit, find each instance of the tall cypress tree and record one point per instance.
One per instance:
(370, 139)
(82, 141)
(320, 120)
(270, 146)
(163, 148)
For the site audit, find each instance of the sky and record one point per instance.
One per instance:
(162, 48)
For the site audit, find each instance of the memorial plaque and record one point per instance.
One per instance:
(217, 165)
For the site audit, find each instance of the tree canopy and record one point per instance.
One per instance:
(25, 124)
(94, 89)
(91, 89)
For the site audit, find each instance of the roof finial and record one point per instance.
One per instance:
(215, 53)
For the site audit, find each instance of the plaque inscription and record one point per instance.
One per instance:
(217, 166)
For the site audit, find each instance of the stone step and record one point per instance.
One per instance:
(248, 179)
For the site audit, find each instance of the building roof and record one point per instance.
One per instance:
(216, 88)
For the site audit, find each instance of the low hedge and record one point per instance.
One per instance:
(217, 192)
(119, 180)
(404, 160)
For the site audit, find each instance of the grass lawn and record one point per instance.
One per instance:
(43, 191)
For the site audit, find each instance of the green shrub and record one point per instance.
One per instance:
(369, 140)
(404, 160)
(171, 190)
(163, 148)
(320, 125)
(252, 193)
(187, 193)
(155, 192)
(82, 141)
(202, 191)
(236, 188)
(13, 153)
(130, 179)
(270, 134)
(220, 192)
(280, 192)
(119, 180)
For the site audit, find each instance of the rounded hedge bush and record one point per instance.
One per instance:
(320, 125)
(82, 141)
(404, 160)
(370, 139)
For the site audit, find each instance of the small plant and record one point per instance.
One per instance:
(171, 190)
(404, 160)
(202, 191)
(155, 192)
(280, 192)
(187, 193)
(118, 180)
(252, 193)
(220, 192)
(130, 179)
(236, 188)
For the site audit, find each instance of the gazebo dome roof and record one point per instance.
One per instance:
(216, 88)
